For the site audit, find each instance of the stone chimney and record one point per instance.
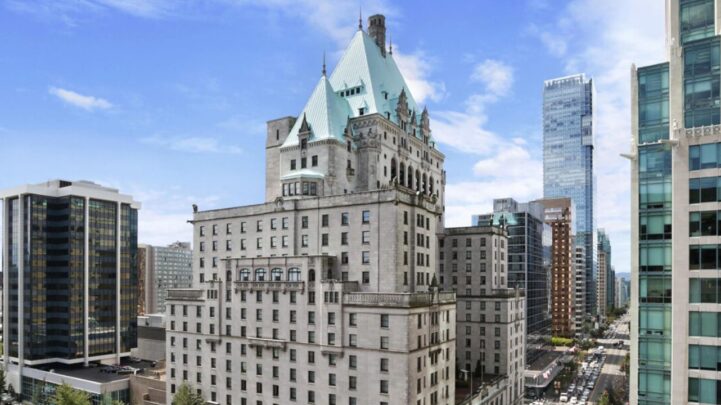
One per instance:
(377, 31)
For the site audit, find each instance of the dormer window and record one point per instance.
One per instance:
(303, 144)
(361, 111)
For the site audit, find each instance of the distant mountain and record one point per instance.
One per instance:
(625, 276)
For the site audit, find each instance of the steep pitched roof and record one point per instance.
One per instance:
(325, 112)
(363, 78)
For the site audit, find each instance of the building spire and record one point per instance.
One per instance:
(390, 44)
(323, 62)
(360, 18)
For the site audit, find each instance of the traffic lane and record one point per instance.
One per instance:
(610, 373)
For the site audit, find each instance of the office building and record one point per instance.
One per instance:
(568, 142)
(490, 324)
(622, 292)
(70, 281)
(605, 276)
(164, 267)
(676, 131)
(526, 268)
(558, 214)
(326, 292)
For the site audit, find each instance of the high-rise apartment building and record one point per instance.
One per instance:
(676, 126)
(568, 132)
(605, 276)
(165, 267)
(558, 214)
(327, 292)
(490, 324)
(579, 289)
(69, 279)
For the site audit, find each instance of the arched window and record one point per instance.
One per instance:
(393, 169)
(228, 276)
(259, 274)
(410, 176)
(425, 184)
(244, 275)
(418, 180)
(430, 185)
(294, 274)
(311, 275)
(402, 174)
(276, 274)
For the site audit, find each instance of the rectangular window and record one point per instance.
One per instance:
(366, 237)
(366, 257)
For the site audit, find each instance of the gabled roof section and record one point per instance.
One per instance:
(325, 112)
(362, 64)
(363, 78)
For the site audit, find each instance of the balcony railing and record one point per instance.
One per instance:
(185, 294)
(405, 300)
(704, 130)
(283, 286)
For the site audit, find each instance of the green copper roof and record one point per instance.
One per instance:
(373, 81)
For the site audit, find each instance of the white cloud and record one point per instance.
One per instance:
(193, 144)
(88, 103)
(505, 167)
(496, 76)
(416, 70)
(556, 44)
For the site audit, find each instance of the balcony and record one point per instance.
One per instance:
(403, 300)
(267, 343)
(283, 286)
(185, 294)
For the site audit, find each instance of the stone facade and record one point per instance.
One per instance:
(311, 309)
(325, 292)
(490, 323)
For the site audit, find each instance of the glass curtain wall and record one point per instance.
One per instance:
(654, 246)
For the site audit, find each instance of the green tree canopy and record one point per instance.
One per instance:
(186, 396)
(67, 395)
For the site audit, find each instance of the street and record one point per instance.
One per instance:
(611, 374)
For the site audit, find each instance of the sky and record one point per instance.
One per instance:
(167, 100)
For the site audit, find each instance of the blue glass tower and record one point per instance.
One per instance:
(568, 160)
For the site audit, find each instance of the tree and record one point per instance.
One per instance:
(108, 400)
(67, 395)
(186, 396)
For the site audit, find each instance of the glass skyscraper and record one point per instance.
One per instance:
(526, 267)
(70, 273)
(568, 160)
(675, 221)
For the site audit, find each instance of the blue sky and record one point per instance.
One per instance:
(167, 100)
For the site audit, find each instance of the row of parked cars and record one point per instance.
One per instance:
(580, 390)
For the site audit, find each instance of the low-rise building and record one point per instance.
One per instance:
(490, 318)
